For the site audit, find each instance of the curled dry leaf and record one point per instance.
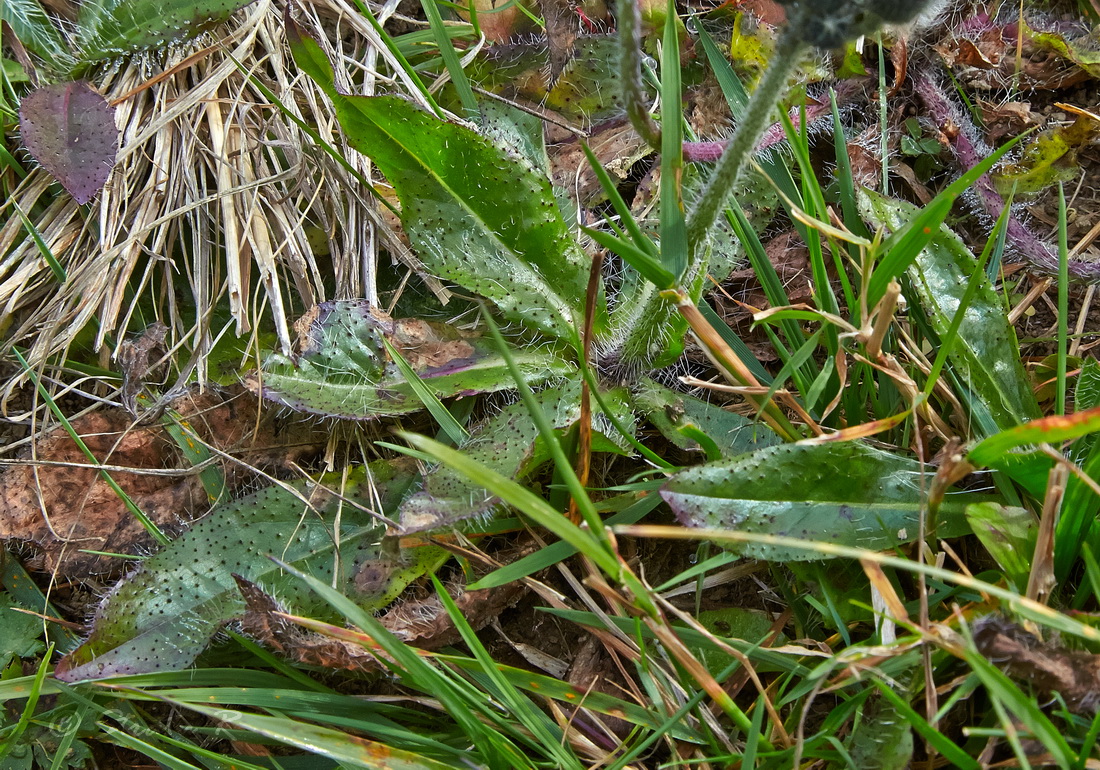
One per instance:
(61, 505)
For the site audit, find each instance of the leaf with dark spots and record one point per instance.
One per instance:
(164, 614)
(477, 215)
(845, 494)
(109, 28)
(985, 353)
(70, 129)
(691, 423)
(341, 368)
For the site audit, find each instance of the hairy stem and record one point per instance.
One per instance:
(630, 72)
(757, 116)
(969, 150)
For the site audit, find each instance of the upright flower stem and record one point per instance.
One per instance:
(629, 19)
(757, 116)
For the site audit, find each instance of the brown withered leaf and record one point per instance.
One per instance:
(133, 359)
(1074, 674)
(426, 624)
(617, 147)
(562, 28)
(1006, 119)
(426, 345)
(58, 504)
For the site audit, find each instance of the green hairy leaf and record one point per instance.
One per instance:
(477, 215)
(986, 354)
(36, 31)
(165, 613)
(109, 28)
(845, 494)
(341, 368)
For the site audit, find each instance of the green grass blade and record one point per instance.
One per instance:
(647, 266)
(1003, 691)
(736, 344)
(948, 340)
(450, 59)
(629, 223)
(520, 498)
(1063, 304)
(409, 667)
(736, 96)
(937, 740)
(35, 692)
(443, 417)
(324, 741)
(407, 69)
(160, 756)
(674, 244)
(542, 730)
(58, 271)
(550, 555)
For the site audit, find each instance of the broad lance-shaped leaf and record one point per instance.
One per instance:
(342, 369)
(845, 494)
(986, 354)
(70, 129)
(109, 28)
(165, 613)
(476, 214)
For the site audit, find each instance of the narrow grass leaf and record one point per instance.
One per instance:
(647, 266)
(58, 271)
(324, 741)
(414, 671)
(149, 525)
(519, 706)
(735, 343)
(1006, 692)
(626, 216)
(158, 755)
(936, 739)
(34, 692)
(985, 353)
(450, 58)
(443, 417)
(553, 553)
(674, 244)
(1052, 430)
(519, 497)
(732, 89)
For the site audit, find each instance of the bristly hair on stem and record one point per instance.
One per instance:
(823, 24)
(767, 94)
(630, 72)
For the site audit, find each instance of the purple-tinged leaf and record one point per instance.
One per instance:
(70, 129)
